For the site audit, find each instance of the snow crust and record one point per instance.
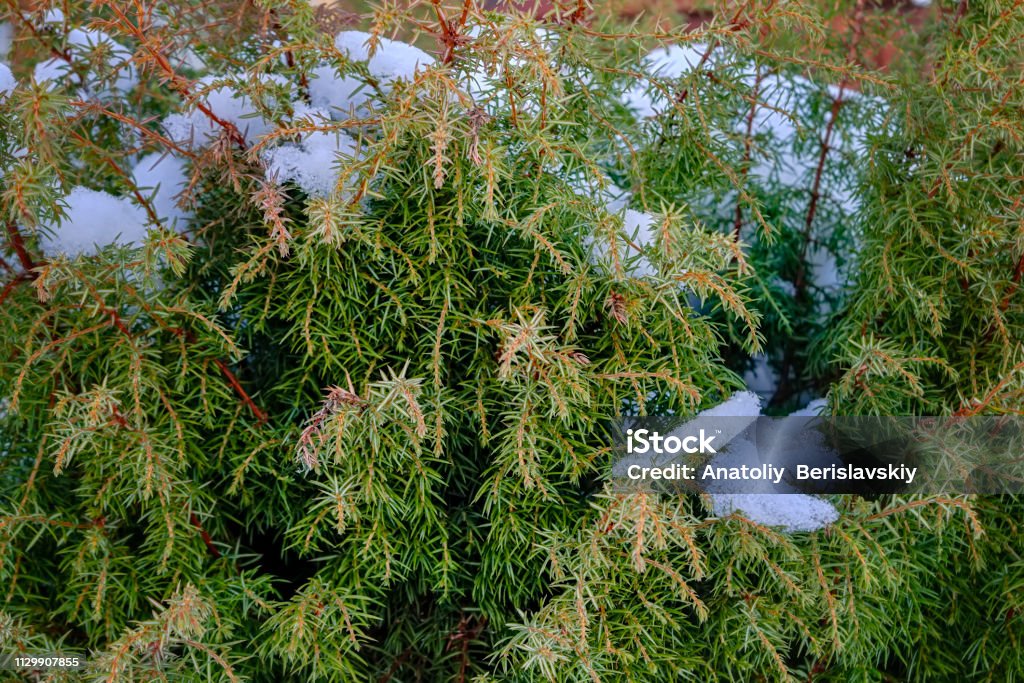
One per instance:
(162, 178)
(94, 219)
(742, 404)
(792, 511)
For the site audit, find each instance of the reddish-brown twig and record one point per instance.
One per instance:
(12, 284)
(18, 244)
(205, 535)
(178, 83)
(232, 379)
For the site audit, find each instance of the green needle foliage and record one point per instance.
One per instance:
(362, 432)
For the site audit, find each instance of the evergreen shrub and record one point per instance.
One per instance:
(312, 340)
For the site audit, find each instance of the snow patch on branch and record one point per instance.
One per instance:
(163, 178)
(741, 404)
(228, 105)
(343, 96)
(792, 512)
(92, 220)
(7, 81)
(314, 163)
(347, 95)
(390, 59)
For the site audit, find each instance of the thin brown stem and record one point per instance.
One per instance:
(396, 665)
(734, 25)
(177, 82)
(261, 416)
(91, 106)
(786, 387)
(18, 244)
(12, 284)
(204, 534)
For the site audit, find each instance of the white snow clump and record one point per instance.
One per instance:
(346, 96)
(791, 511)
(7, 82)
(313, 163)
(228, 105)
(94, 219)
(343, 96)
(390, 60)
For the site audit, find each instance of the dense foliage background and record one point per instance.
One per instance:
(311, 339)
